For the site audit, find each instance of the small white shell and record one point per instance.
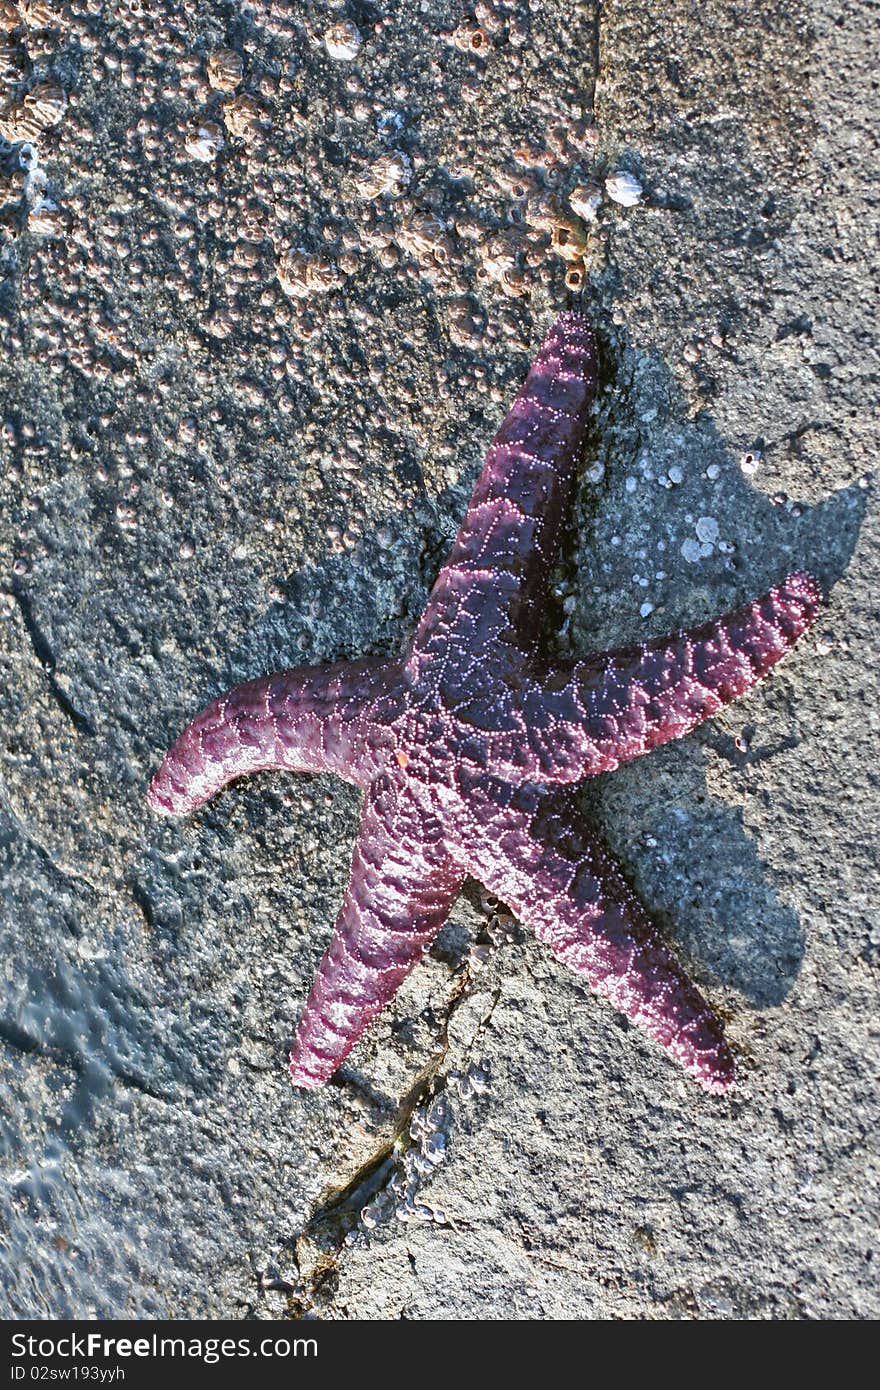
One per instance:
(46, 219)
(585, 201)
(387, 176)
(691, 550)
(342, 41)
(622, 188)
(205, 142)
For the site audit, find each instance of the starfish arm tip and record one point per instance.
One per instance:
(718, 1076)
(805, 588)
(161, 797)
(303, 1079)
(176, 789)
(705, 1054)
(156, 805)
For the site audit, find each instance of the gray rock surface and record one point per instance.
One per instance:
(206, 476)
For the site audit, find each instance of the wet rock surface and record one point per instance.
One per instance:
(259, 321)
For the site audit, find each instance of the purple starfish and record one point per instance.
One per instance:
(464, 747)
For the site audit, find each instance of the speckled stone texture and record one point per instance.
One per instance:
(181, 512)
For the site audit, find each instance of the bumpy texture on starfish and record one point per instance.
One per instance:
(464, 745)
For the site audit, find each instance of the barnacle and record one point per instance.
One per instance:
(204, 142)
(623, 188)
(245, 118)
(387, 176)
(301, 275)
(470, 37)
(225, 70)
(39, 14)
(585, 201)
(343, 40)
(47, 103)
(17, 122)
(424, 237)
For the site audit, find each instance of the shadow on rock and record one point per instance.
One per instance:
(639, 568)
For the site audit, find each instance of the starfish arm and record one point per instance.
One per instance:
(494, 580)
(591, 716)
(398, 898)
(561, 881)
(304, 720)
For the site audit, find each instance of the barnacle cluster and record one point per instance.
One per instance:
(420, 1152)
(301, 275)
(32, 105)
(287, 189)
